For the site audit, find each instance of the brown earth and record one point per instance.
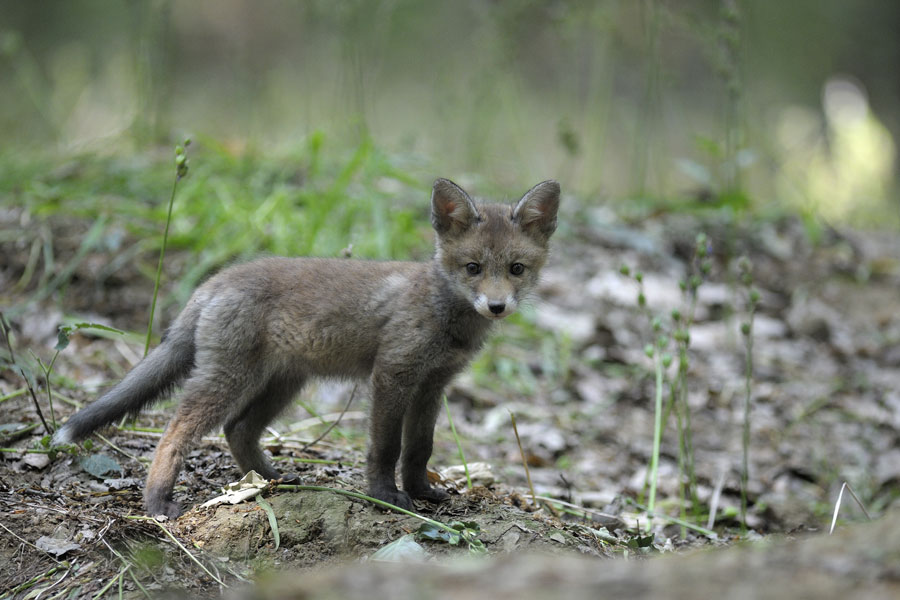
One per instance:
(825, 409)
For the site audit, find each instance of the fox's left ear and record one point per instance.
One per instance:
(536, 211)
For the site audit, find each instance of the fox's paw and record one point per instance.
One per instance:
(393, 496)
(158, 501)
(289, 478)
(167, 508)
(431, 494)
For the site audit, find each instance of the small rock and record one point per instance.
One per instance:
(36, 461)
(579, 326)
(55, 546)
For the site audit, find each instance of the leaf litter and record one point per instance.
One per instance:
(825, 410)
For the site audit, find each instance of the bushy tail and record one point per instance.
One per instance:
(161, 370)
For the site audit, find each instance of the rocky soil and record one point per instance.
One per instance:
(825, 409)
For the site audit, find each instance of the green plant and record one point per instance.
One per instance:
(62, 343)
(273, 522)
(181, 170)
(661, 359)
(663, 333)
(453, 534)
(315, 198)
(700, 267)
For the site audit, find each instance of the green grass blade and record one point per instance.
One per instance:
(273, 522)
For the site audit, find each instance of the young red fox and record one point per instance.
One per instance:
(251, 336)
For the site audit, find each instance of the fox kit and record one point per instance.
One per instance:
(252, 335)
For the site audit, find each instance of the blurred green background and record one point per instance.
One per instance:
(764, 104)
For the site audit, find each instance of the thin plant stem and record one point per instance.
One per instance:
(123, 452)
(729, 46)
(19, 433)
(136, 429)
(138, 584)
(576, 508)
(127, 566)
(462, 455)
(310, 461)
(688, 439)
(745, 438)
(647, 118)
(746, 275)
(180, 545)
(47, 370)
(682, 459)
(333, 423)
(524, 460)
(657, 436)
(686, 435)
(4, 326)
(110, 583)
(162, 254)
(13, 394)
(675, 520)
(357, 495)
(34, 580)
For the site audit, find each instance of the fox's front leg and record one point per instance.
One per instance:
(390, 399)
(418, 439)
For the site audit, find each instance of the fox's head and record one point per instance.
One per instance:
(492, 253)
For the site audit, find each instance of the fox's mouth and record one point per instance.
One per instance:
(495, 309)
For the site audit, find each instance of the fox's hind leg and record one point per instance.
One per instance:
(208, 397)
(244, 430)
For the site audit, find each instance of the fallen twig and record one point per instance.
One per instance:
(333, 423)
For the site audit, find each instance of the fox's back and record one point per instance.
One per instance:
(324, 316)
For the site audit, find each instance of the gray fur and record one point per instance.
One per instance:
(251, 336)
(153, 378)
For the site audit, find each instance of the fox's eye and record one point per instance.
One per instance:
(517, 268)
(473, 268)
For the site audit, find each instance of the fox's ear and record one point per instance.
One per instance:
(452, 210)
(536, 211)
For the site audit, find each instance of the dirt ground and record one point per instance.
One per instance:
(825, 410)
(846, 565)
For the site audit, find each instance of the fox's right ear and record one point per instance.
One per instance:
(452, 210)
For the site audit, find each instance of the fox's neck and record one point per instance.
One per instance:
(465, 326)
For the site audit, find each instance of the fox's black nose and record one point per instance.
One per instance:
(496, 307)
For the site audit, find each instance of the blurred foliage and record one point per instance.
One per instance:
(315, 200)
(609, 97)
